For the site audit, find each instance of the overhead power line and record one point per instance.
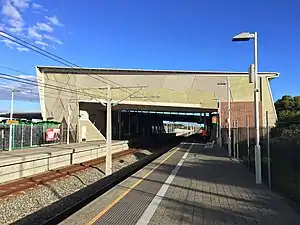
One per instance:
(59, 59)
(53, 87)
(17, 79)
(31, 93)
(39, 80)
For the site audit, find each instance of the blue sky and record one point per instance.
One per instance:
(156, 34)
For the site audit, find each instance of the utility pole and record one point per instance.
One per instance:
(109, 105)
(108, 161)
(11, 117)
(68, 123)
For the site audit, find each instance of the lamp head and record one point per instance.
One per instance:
(244, 36)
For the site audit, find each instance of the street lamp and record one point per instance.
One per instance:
(246, 36)
(227, 84)
(11, 117)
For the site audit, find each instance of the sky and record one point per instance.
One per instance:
(156, 34)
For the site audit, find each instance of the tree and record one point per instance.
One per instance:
(288, 102)
(288, 113)
(285, 103)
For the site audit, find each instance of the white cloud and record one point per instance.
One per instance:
(14, 29)
(17, 26)
(54, 39)
(22, 4)
(16, 23)
(9, 43)
(10, 11)
(38, 7)
(29, 77)
(54, 20)
(27, 92)
(22, 49)
(32, 33)
(14, 18)
(43, 27)
(41, 43)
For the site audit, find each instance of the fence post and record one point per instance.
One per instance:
(248, 140)
(234, 140)
(44, 134)
(237, 140)
(31, 134)
(22, 135)
(3, 138)
(268, 150)
(62, 133)
(13, 128)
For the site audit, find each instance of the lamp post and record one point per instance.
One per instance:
(246, 36)
(227, 84)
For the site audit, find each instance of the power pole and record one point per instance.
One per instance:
(108, 161)
(11, 117)
(68, 123)
(109, 105)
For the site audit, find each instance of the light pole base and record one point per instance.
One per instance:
(229, 146)
(219, 141)
(257, 153)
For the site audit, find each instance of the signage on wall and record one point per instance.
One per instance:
(12, 121)
(214, 119)
(52, 134)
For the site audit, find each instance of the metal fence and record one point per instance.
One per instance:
(280, 168)
(26, 135)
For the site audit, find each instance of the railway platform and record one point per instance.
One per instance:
(22, 163)
(190, 184)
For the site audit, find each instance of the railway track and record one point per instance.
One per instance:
(24, 184)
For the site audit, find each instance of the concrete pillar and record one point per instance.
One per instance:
(120, 124)
(129, 124)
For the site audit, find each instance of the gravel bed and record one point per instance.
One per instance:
(19, 206)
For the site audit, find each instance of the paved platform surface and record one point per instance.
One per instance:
(201, 187)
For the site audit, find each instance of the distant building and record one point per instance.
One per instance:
(23, 115)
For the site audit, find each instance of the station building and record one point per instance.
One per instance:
(143, 99)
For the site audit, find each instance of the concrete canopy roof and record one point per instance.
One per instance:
(168, 88)
(79, 70)
(163, 90)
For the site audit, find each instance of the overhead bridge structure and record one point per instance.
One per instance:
(146, 98)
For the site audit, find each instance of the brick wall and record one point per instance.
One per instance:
(239, 112)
